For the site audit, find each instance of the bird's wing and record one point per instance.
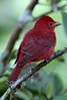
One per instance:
(18, 52)
(37, 45)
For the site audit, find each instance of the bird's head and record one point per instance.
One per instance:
(46, 23)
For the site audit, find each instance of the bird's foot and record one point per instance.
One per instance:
(12, 90)
(31, 70)
(35, 76)
(47, 60)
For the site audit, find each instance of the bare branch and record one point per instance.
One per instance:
(59, 8)
(37, 68)
(25, 17)
(23, 20)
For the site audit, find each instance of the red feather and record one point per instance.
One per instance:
(38, 44)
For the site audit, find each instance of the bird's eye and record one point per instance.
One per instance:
(50, 23)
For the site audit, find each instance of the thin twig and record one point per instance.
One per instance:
(37, 68)
(24, 18)
(59, 8)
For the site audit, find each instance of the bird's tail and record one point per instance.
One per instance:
(16, 72)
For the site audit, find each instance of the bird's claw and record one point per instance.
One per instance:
(12, 90)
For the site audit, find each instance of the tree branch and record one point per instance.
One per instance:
(23, 20)
(25, 17)
(37, 68)
(59, 8)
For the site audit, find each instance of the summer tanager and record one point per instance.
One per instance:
(38, 44)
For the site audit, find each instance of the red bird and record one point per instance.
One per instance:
(38, 44)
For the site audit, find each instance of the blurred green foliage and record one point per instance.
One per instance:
(52, 80)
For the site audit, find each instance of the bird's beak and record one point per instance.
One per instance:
(57, 24)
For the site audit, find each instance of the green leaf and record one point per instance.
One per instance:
(64, 18)
(56, 84)
(39, 97)
(49, 90)
(60, 98)
(3, 87)
(6, 73)
(3, 80)
(22, 95)
(39, 83)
